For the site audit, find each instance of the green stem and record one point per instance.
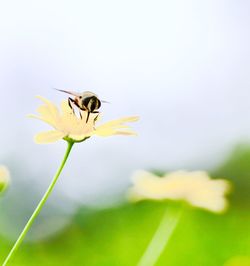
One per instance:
(161, 237)
(39, 206)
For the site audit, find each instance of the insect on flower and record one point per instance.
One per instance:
(67, 125)
(85, 101)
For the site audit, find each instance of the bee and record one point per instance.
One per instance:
(86, 101)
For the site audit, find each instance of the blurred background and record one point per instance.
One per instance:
(183, 67)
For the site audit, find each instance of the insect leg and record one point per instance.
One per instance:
(70, 101)
(94, 112)
(95, 119)
(87, 117)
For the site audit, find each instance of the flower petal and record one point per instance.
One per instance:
(49, 136)
(121, 121)
(113, 127)
(49, 105)
(48, 112)
(126, 133)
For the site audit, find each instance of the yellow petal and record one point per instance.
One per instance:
(121, 121)
(48, 112)
(113, 127)
(49, 136)
(146, 186)
(49, 105)
(39, 118)
(126, 133)
(210, 195)
(65, 107)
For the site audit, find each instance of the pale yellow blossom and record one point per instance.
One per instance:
(196, 188)
(4, 178)
(70, 126)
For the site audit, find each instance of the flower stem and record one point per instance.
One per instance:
(161, 237)
(39, 206)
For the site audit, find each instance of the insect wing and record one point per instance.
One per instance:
(76, 94)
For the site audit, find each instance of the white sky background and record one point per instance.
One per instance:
(183, 66)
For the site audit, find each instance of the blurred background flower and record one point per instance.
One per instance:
(196, 188)
(4, 178)
(183, 66)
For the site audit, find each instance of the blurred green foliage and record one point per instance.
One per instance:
(118, 236)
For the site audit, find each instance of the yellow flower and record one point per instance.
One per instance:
(4, 178)
(69, 126)
(196, 188)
